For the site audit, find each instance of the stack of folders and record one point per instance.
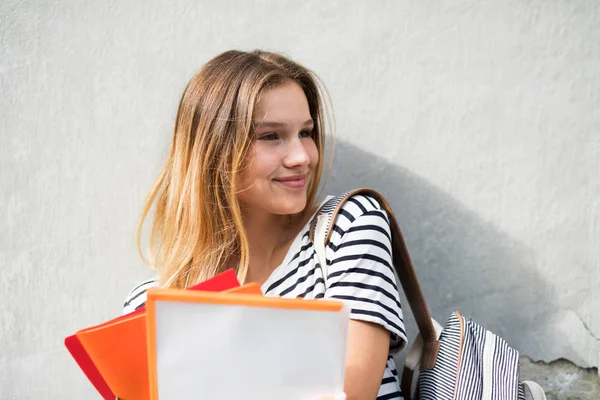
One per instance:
(218, 340)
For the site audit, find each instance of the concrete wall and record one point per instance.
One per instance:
(479, 120)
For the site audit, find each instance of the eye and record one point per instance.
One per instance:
(269, 136)
(306, 134)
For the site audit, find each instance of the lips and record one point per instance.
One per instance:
(293, 181)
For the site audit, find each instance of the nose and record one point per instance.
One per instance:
(296, 154)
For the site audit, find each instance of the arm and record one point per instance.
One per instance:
(368, 347)
(361, 273)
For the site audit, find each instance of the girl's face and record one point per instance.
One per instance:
(284, 155)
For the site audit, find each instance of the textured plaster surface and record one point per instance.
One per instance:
(562, 380)
(479, 120)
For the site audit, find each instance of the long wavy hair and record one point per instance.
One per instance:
(197, 228)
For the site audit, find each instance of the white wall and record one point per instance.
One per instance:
(479, 120)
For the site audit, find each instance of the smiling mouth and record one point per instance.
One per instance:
(293, 182)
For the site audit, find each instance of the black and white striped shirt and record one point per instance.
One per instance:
(360, 273)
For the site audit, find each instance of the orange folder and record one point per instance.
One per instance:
(245, 296)
(249, 288)
(113, 355)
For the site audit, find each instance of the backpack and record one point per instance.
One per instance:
(459, 361)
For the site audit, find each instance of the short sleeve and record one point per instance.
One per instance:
(137, 297)
(360, 270)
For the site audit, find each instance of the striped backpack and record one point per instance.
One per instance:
(461, 361)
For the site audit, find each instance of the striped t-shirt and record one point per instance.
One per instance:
(360, 273)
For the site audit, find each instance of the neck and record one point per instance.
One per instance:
(269, 238)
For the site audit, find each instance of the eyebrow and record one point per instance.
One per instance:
(275, 124)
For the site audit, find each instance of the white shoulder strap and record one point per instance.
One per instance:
(536, 390)
(410, 375)
(319, 243)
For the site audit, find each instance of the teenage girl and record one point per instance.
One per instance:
(239, 189)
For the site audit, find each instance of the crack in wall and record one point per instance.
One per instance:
(587, 328)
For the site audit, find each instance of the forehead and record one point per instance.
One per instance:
(286, 103)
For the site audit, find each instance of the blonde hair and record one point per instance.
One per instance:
(197, 228)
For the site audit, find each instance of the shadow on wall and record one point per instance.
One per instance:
(463, 263)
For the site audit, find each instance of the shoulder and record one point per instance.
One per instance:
(137, 296)
(362, 207)
(360, 204)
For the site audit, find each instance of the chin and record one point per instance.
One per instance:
(290, 206)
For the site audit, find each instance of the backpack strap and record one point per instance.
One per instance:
(320, 233)
(536, 390)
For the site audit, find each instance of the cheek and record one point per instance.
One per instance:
(313, 153)
(247, 176)
(245, 179)
(264, 163)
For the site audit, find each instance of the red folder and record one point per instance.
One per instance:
(113, 355)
